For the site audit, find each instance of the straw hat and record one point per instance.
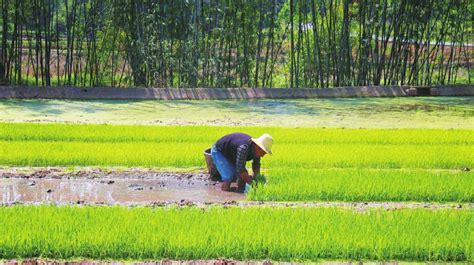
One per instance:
(265, 142)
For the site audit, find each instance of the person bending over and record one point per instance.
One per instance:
(230, 154)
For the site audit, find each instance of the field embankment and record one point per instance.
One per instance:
(26, 92)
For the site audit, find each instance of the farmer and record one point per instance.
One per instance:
(232, 151)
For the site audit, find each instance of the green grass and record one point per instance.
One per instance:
(307, 165)
(302, 234)
(365, 185)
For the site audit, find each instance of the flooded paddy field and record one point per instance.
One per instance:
(309, 164)
(419, 112)
(343, 194)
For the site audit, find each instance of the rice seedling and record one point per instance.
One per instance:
(365, 185)
(58, 153)
(208, 134)
(64, 145)
(254, 233)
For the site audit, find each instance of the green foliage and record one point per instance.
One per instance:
(259, 180)
(285, 234)
(235, 43)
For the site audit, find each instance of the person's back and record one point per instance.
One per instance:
(229, 144)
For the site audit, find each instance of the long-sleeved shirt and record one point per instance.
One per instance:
(242, 155)
(239, 148)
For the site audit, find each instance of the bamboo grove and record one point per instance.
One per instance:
(223, 43)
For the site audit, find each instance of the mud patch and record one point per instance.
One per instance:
(355, 206)
(103, 173)
(104, 186)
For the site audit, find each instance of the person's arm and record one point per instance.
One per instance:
(256, 167)
(242, 152)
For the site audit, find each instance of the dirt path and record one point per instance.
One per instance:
(356, 206)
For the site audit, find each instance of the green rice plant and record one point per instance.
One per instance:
(209, 134)
(162, 146)
(254, 233)
(371, 156)
(138, 154)
(365, 185)
(44, 153)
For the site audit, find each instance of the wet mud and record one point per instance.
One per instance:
(93, 172)
(99, 186)
(355, 206)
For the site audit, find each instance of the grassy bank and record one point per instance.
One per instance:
(303, 234)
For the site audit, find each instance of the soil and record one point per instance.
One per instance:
(109, 186)
(102, 173)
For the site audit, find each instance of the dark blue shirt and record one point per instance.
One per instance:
(239, 148)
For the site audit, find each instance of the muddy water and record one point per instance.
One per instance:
(112, 191)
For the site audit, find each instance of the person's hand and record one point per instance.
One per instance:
(245, 177)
